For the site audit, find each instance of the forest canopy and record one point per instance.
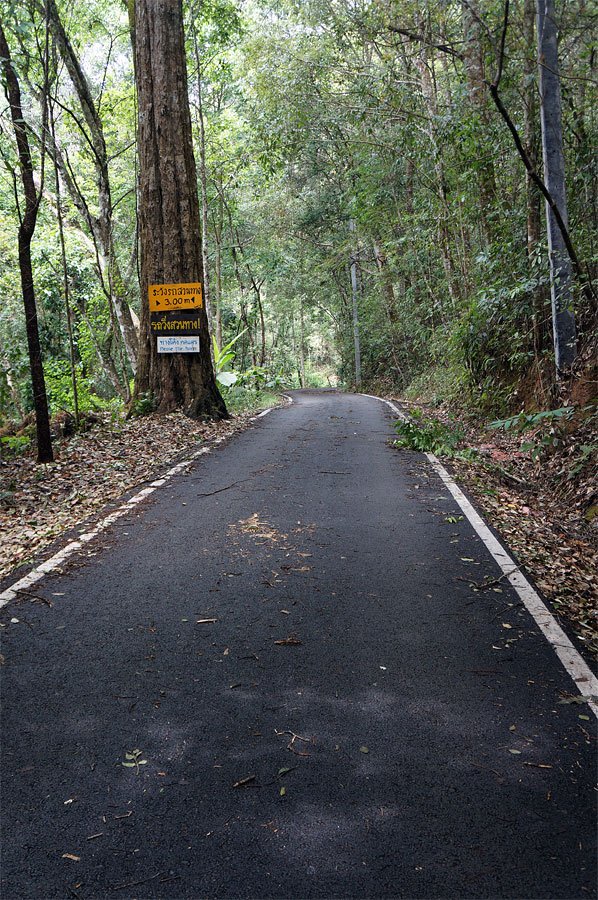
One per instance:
(372, 194)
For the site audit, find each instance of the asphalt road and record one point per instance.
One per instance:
(389, 736)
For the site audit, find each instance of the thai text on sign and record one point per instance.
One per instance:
(173, 297)
(175, 322)
(178, 344)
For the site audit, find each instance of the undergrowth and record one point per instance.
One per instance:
(430, 436)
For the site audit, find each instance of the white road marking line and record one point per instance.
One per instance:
(54, 562)
(265, 412)
(573, 662)
(394, 408)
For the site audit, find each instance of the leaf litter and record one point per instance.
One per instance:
(542, 507)
(40, 502)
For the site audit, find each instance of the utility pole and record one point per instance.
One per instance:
(561, 278)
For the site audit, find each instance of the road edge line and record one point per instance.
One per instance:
(570, 658)
(54, 562)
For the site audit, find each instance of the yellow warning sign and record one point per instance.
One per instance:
(173, 297)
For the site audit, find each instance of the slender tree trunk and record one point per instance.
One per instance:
(532, 194)
(26, 231)
(169, 219)
(385, 282)
(260, 308)
(302, 379)
(429, 94)
(354, 309)
(203, 178)
(296, 351)
(218, 231)
(101, 225)
(565, 341)
(473, 60)
(65, 277)
(390, 304)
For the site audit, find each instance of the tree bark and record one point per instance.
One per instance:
(218, 232)
(169, 219)
(65, 278)
(26, 231)
(429, 95)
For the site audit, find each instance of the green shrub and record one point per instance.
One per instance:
(428, 436)
(547, 427)
(15, 443)
(143, 405)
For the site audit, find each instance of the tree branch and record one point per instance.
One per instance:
(419, 38)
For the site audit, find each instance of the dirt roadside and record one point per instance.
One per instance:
(38, 503)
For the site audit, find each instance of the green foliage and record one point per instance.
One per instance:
(59, 387)
(15, 443)
(143, 405)
(525, 421)
(240, 399)
(546, 426)
(428, 436)
(223, 358)
(314, 118)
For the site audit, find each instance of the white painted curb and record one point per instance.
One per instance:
(578, 669)
(54, 562)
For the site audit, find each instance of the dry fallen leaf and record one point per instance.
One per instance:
(289, 642)
(71, 856)
(92, 468)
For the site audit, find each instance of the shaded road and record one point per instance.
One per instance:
(428, 753)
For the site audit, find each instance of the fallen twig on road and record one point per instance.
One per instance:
(294, 737)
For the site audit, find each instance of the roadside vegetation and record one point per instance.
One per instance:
(374, 213)
(534, 478)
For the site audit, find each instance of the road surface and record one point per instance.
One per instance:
(284, 645)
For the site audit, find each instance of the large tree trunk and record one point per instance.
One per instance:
(563, 321)
(26, 231)
(169, 220)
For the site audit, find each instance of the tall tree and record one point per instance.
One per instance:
(28, 219)
(169, 219)
(563, 321)
(101, 225)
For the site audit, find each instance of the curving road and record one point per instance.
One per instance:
(322, 706)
